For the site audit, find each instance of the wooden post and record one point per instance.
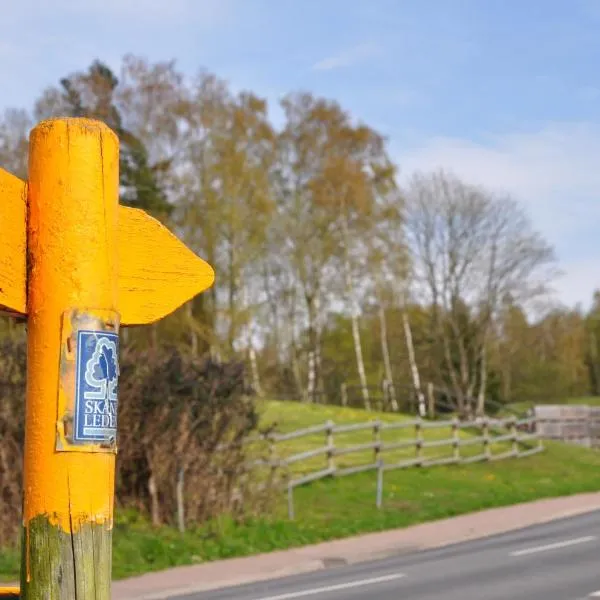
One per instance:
(486, 438)
(419, 441)
(330, 445)
(290, 494)
(379, 490)
(456, 439)
(91, 267)
(384, 389)
(181, 500)
(72, 252)
(344, 390)
(431, 400)
(377, 439)
(515, 436)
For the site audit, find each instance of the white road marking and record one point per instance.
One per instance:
(335, 588)
(555, 546)
(595, 594)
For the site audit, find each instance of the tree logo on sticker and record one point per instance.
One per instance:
(96, 397)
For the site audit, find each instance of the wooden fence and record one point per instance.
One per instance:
(393, 445)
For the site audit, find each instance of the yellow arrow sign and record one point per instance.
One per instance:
(13, 236)
(156, 272)
(78, 266)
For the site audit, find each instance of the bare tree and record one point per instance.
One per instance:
(470, 249)
(14, 137)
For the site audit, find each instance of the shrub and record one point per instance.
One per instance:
(182, 423)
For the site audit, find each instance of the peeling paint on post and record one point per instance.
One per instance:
(91, 267)
(72, 258)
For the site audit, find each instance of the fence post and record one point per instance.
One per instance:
(456, 439)
(379, 492)
(431, 400)
(272, 453)
(486, 438)
(88, 272)
(330, 445)
(344, 390)
(180, 500)
(291, 514)
(419, 440)
(377, 439)
(515, 436)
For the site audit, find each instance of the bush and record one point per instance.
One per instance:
(182, 421)
(12, 434)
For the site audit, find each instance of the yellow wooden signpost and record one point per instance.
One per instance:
(78, 266)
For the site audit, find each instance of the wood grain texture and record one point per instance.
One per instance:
(157, 272)
(71, 566)
(13, 195)
(72, 260)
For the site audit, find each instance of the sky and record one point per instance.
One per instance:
(502, 93)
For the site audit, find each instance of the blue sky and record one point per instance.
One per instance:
(504, 93)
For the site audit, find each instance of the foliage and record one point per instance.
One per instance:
(174, 412)
(12, 433)
(321, 257)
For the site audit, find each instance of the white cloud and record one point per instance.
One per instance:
(349, 57)
(554, 172)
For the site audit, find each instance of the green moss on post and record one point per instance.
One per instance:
(56, 565)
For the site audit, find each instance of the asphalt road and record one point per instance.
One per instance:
(555, 561)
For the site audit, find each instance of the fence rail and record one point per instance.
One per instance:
(318, 452)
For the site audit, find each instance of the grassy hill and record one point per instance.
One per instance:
(522, 407)
(292, 416)
(336, 508)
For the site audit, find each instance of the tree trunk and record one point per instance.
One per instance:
(254, 369)
(232, 297)
(320, 383)
(414, 369)
(385, 351)
(313, 341)
(297, 377)
(354, 312)
(154, 335)
(482, 382)
(312, 375)
(189, 309)
(154, 503)
(594, 362)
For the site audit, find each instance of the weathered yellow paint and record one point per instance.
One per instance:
(157, 273)
(71, 257)
(9, 592)
(13, 194)
(72, 251)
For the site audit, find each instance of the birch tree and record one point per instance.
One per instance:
(470, 248)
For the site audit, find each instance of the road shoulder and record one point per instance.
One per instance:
(435, 534)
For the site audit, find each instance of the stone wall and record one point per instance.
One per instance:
(572, 424)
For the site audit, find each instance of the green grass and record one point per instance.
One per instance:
(290, 416)
(336, 508)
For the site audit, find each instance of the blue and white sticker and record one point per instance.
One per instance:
(96, 391)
